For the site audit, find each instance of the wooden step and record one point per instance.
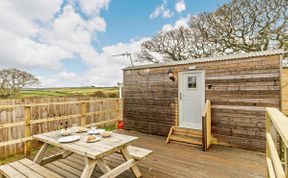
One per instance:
(186, 139)
(188, 132)
(184, 135)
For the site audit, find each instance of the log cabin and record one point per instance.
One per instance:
(216, 100)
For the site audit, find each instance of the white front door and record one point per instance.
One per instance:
(191, 99)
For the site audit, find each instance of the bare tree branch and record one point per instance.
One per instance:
(12, 80)
(238, 26)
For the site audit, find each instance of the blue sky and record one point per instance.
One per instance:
(132, 16)
(71, 42)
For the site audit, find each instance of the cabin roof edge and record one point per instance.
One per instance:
(211, 59)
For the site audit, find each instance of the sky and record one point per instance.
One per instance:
(70, 43)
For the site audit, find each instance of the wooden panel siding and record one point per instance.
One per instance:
(241, 89)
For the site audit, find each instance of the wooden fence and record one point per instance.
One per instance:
(19, 122)
(276, 124)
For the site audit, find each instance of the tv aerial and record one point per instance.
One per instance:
(126, 54)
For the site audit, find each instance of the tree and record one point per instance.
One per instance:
(244, 26)
(238, 26)
(175, 45)
(12, 80)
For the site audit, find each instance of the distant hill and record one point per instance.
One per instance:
(105, 92)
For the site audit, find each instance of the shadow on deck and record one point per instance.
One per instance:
(175, 161)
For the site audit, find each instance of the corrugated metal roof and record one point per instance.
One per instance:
(210, 59)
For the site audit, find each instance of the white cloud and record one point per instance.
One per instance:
(23, 52)
(157, 12)
(93, 7)
(161, 10)
(167, 13)
(35, 9)
(41, 36)
(35, 34)
(103, 70)
(19, 31)
(67, 75)
(106, 70)
(69, 31)
(180, 6)
(182, 22)
(167, 27)
(97, 24)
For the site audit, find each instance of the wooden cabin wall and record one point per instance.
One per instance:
(150, 101)
(241, 89)
(284, 91)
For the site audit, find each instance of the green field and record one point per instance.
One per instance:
(105, 92)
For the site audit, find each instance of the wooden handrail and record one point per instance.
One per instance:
(206, 108)
(280, 123)
(206, 126)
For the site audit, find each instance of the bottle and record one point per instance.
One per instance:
(66, 125)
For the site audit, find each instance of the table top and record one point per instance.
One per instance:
(94, 150)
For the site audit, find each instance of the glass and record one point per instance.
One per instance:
(75, 127)
(192, 82)
(93, 127)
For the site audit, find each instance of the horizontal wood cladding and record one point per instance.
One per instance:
(241, 89)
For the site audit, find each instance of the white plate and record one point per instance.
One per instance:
(69, 139)
(96, 131)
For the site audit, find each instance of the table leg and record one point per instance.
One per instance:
(103, 166)
(127, 157)
(89, 167)
(40, 155)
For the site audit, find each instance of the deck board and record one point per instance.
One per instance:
(174, 161)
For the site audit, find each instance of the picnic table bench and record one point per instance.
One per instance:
(92, 152)
(138, 153)
(26, 168)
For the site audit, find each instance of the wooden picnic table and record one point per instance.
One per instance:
(92, 152)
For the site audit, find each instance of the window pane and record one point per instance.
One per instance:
(192, 82)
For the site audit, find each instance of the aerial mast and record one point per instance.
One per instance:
(126, 54)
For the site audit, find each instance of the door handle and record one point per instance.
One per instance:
(180, 96)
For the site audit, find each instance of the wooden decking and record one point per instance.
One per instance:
(175, 161)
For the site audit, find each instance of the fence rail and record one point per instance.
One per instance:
(18, 123)
(276, 124)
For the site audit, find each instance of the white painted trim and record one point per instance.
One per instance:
(180, 80)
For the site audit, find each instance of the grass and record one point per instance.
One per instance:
(69, 92)
(34, 151)
(16, 157)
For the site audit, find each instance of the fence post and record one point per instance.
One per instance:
(117, 111)
(27, 116)
(84, 110)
